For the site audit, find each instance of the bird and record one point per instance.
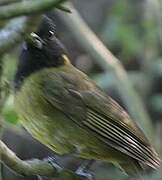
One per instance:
(65, 110)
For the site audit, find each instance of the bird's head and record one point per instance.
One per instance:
(44, 42)
(41, 49)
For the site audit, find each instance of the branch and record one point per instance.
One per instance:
(108, 62)
(24, 168)
(4, 2)
(27, 7)
(14, 31)
(33, 167)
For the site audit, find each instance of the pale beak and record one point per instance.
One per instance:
(35, 40)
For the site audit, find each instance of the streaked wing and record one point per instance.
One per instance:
(116, 128)
(119, 138)
(96, 111)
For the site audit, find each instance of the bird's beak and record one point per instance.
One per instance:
(35, 40)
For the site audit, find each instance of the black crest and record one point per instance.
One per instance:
(46, 25)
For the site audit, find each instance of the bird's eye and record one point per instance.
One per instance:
(50, 34)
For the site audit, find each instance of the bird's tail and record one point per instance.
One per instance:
(133, 169)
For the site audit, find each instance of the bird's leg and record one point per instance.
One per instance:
(83, 170)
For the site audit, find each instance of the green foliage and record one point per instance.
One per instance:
(8, 112)
(123, 36)
(120, 8)
(10, 116)
(9, 66)
(120, 32)
(128, 33)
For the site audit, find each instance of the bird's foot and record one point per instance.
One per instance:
(53, 162)
(84, 171)
(88, 175)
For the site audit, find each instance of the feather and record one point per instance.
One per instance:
(91, 108)
(119, 138)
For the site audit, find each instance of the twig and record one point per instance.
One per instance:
(63, 8)
(15, 30)
(27, 7)
(108, 62)
(4, 2)
(24, 168)
(33, 167)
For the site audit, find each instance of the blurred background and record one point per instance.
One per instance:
(132, 31)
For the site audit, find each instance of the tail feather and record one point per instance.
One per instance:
(133, 168)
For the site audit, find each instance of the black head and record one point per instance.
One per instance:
(40, 50)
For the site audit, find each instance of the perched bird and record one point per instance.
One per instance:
(65, 110)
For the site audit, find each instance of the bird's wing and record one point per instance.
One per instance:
(116, 128)
(99, 113)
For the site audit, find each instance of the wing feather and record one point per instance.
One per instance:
(119, 139)
(91, 108)
(117, 129)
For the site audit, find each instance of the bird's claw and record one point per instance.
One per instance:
(83, 172)
(52, 160)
